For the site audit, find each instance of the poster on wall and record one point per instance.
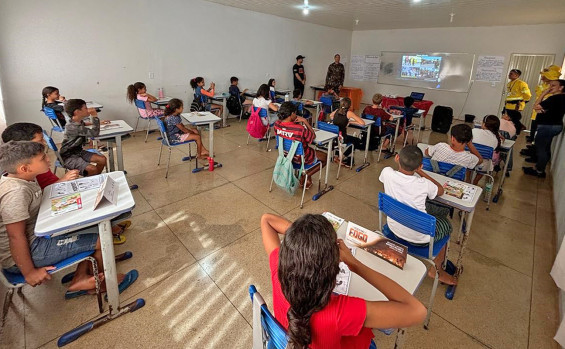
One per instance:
(489, 68)
(365, 68)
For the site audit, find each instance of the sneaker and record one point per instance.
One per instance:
(533, 172)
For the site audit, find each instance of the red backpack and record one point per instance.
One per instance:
(255, 126)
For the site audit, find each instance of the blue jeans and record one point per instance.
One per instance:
(544, 137)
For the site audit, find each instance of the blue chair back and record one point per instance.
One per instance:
(50, 142)
(50, 114)
(273, 335)
(164, 132)
(326, 101)
(444, 167)
(272, 95)
(139, 103)
(325, 126)
(485, 151)
(409, 217)
(287, 143)
(262, 111)
(378, 121)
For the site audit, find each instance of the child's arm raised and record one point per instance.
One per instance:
(271, 226)
(19, 247)
(401, 310)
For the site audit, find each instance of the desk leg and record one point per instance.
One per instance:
(393, 145)
(328, 162)
(111, 157)
(420, 127)
(224, 113)
(365, 163)
(119, 153)
(317, 114)
(503, 176)
(450, 292)
(399, 338)
(107, 247)
(211, 145)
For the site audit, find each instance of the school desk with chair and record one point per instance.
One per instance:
(364, 128)
(115, 201)
(114, 131)
(506, 148)
(222, 98)
(200, 119)
(312, 104)
(323, 138)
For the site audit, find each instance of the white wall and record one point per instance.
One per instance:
(483, 98)
(94, 49)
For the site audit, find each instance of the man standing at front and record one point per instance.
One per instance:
(299, 74)
(335, 75)
(517, 93)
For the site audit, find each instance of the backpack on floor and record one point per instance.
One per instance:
(196, 104)
(233, 104)
(283, 174)
(255, 126)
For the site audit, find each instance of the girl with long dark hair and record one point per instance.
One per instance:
(304, 267)
(177, 131)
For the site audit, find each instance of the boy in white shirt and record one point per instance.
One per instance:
(461, 136)
(403, 185)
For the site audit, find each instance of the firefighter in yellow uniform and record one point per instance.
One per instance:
(548, 74)
(517, 92)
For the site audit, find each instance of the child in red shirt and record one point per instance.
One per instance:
(304, 267)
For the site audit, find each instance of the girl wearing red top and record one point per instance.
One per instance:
(304, 267)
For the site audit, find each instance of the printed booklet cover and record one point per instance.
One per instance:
(459, 190)
(334, 220)
(65, 204)
(375, 243)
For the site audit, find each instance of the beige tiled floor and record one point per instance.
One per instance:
(197, 246)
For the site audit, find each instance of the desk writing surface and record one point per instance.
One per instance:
(409, 278)
(323, 136)
(467, 206)
(201, 117)
(47, 224)
(507, 144)
(123, 128)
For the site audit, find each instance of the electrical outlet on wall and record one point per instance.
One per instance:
(151, 75)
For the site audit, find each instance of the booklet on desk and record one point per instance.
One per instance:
(459, 190)
(108, 191)
(375, 243)
(343, 277)
(333, 219)
(65, 204)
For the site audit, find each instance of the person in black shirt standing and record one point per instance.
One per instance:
(299, 74)
(550, 124)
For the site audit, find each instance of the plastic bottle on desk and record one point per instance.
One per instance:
(161, 95)
(287, 97)
(210, 163)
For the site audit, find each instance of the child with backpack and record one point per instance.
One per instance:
(263, 101)
(201, 95)
(296, 128)
(238, 99)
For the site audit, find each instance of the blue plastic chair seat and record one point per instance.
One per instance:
(422, 251)
(177, 143)
(57, 129)
(306, 166)
(18, 278)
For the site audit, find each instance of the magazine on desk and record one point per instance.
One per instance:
(459, 190)
(110, 126)
(375, 243)
(334, 220)
(343, 278)
(65, 204)
(76, 186)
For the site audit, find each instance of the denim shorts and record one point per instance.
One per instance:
(47, 252)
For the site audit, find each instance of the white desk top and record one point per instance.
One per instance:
(467, 206)
(410, 277)
(313, 103)
(95, 105)
(221, 96)
(507, 144)
(200, 118)
(48, 224)
(110, 131)
(323, 136)
(162, 101)
(423, 147)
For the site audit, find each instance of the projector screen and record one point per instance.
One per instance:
(420, 67)
(438, 71)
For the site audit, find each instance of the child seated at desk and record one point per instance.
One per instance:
(76, 136)
(272, 92)
(507, 124)
(51, 98)
(455, 154)
(25, 131)
(139, 91)
(403, 185)
(377, 111)
(20, 198)
(203, 94)
(408, 112)
(176, 130)
(296, 128)
(342, 118)
(297, 100)
(262, 100)
(488, 135)
(234, 91)
(304, 266)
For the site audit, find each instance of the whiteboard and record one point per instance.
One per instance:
(454, 75)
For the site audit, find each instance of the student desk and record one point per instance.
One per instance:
(115, 132)
(323, 137)
(505, 147)
(95, 105)
(250, 95)
(364, 128)
(201, 119)
(468, 211)
(161, 102)
(314, 104)
(420, 115)
(48, 225)
(409, 278)
(316, 90)
(397, 118)
(222, 97)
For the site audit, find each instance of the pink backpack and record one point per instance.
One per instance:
(255, 126)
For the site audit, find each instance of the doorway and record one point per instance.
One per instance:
(531, 65)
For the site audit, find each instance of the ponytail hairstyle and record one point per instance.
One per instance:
(194, 82)
(344, 105)
(132, 90)
(492, 123)
(308, 266)
(264, 92)
(173, 105)
(270, 83)
(46, 92)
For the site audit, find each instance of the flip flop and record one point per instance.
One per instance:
(124, 225)
(119, 258)
(76, 294)
(128, 280)
(119, 239)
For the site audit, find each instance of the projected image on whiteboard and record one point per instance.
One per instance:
(420, 67)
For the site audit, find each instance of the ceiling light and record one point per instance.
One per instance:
(416, 1)
(306, 10)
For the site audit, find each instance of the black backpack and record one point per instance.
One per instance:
(196, 104)
(234, 105)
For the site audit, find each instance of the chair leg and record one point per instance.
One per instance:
(160, 151)
(136, 123)
(97, 282)
(268, 137)
(352, 157)
(320, 178)
(7, 303)
(431, 302)
(168, 162)
(148, 128)
(304, 190)
(340, 151)
(248, 136)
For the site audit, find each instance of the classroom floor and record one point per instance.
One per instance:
(197, 247)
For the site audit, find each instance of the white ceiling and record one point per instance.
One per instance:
(399, 14)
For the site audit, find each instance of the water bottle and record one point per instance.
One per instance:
(161, 95)
(210, 163)
(287, 97)
(488, 189)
